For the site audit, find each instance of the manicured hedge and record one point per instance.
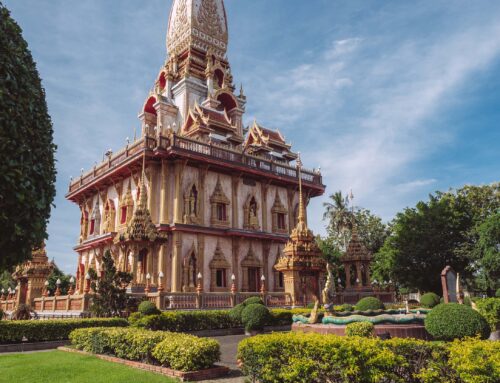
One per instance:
(255, 316)
(174, 350)
(315, 358)
(48, 330)
(364, 329)
(449, 321)
(182, 321)
(148, 308)
(369, 303)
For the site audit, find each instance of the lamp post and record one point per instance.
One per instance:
(87, 283)
(263, 285)
(46, 289)
(2, 297)
(160, 281)
(233, 284)
(148, 281)
(71, 290)
(58, 288)
(199, 287)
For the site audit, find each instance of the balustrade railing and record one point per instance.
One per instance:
(183, 144)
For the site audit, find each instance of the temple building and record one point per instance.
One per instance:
(198, 198)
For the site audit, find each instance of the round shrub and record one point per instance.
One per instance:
(429, 300)
(448, 321)
(255, 316)
(253, 300)
(148, 308)
(363, 329)
(235, 313)
(369, 303)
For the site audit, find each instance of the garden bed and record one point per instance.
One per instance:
(210, 373)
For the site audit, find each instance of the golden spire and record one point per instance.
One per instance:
(302, 221)
(142, 186)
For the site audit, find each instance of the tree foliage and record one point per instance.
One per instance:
(110, 297)
(64, 278)
(455, 228)
(6, 281)
(27, 170)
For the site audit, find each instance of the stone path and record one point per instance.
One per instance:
(229, 348)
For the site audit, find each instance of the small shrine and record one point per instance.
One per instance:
(302, 263)
(31, 276)
(356, 261)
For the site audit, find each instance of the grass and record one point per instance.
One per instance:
(64, 367)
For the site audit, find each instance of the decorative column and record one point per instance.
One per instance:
(235, 263)
(202, 176)
(235, 200)
(164, 194)
(176, 262)
(178, 199)
(264, 189)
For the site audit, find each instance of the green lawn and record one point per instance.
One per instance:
(64, 367)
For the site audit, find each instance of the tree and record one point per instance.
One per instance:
(110, 297)
(27, 170)
(6, 281)
(487, 251)
(331, 253)
(339, 216)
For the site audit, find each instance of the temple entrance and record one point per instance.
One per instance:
(310, 288)
(253, 279)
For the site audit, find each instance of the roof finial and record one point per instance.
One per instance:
(143, 198)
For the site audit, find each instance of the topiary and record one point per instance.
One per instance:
(253, 300)
(429, 300)
(369, 303)
(448, 321)
(148, 308)
(235, 313)
(363, 329)
(255, 316)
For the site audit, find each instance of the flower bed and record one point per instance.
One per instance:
(177, 351)
(296, 357)
(50, 330)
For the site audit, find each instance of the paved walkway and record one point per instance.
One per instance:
(229, 349)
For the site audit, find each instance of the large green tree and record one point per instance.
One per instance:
(27, 170)
(487, 253)
(339, 217)
(57, 274)
(446, 230)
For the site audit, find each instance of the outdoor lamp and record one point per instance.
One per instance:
(233, 278)
(72, 280)
(263, 278)
(390, 282)
(87, 277)
(357, 280)
(148, 277)
(3, 291)
(58, 282)
(200, 276)
(160, 274)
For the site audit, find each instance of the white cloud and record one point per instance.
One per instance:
(416, 184)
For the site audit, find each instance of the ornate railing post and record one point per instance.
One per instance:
(199, 291)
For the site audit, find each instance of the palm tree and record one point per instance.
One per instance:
(339, 215)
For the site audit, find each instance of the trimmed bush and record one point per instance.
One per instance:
(253, 300)
(187, 354)
(177, 351)
(235, 312)
(48, 330)
(345, 307)
(429, 300)
(489, 308)
(315, 358)
(454, 321)
(148, 308)
(363, 329)
(476, 361)
(255, 316)
(369, 303)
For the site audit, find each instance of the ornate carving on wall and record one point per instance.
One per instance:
(189, 271)
(279, 216)
(109, 217)
(219, 271)
(250, 211)
(95, 220)
(219, 207)
(191, 205)
(126, 207)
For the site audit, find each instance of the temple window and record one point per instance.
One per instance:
(95, 220)
(219, 203)
(218, 78)
(109, 217)
(281, 280)
(191, 206)
(126, 207)
(220, 279)
(278, 212)
(251, 270)
(92, 226)
(251, 220)
(219, 269)
(123, 215)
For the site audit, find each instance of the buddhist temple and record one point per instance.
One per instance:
(198, 199)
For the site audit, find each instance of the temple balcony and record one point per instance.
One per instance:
(121, 164)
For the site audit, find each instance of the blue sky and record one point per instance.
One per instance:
(392, 99)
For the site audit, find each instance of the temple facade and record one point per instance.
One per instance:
(198, 198)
